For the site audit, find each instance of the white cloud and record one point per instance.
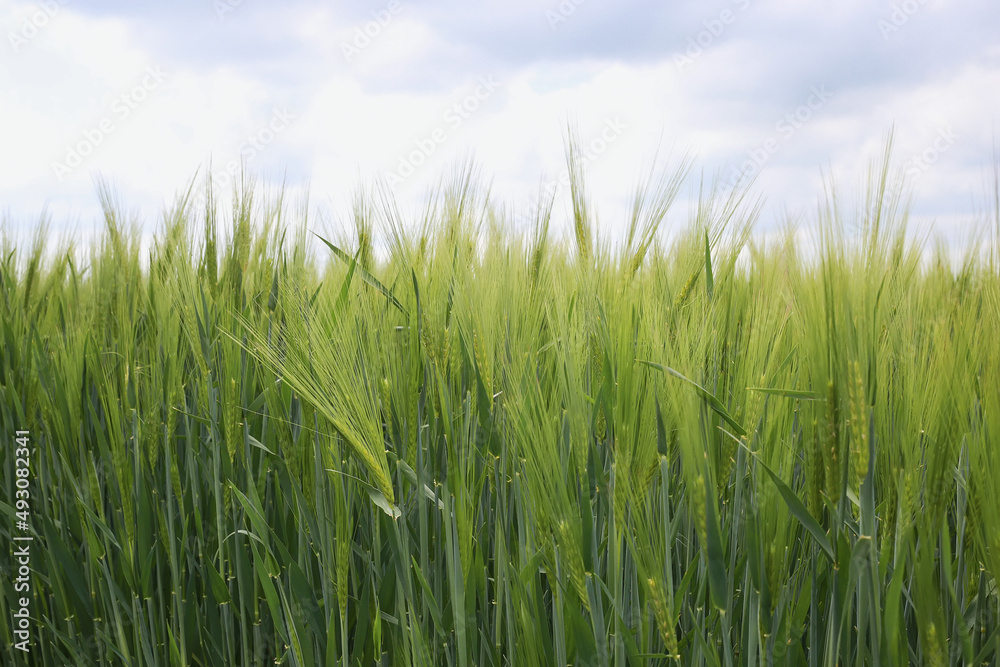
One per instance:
(359, 118)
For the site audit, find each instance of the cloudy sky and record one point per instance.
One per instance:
(324, 96)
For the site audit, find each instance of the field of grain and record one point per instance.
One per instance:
(255, 445)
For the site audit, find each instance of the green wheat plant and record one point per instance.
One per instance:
(462, 439)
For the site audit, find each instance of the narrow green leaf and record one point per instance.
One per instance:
(270, 593)
(798, 510)
(706, 396)
(718, 585)
(382, 503)
(345, 288)
(432, 605)
(365, 276)
(786, 393)
(709, 278)
(218, 585)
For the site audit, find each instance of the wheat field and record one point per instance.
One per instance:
(255, 444)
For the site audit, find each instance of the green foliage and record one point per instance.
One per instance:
(482, 449)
